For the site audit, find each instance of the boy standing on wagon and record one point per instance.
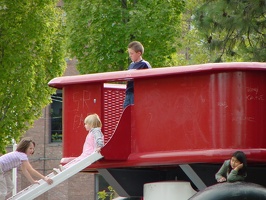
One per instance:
(135, 51)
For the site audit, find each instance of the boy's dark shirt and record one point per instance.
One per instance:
(138, 65)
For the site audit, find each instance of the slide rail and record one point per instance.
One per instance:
(36, 190)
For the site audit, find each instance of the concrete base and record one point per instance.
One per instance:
(170, 190)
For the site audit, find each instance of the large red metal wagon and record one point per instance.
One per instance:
(184, 123)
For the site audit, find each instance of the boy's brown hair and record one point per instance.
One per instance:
(136, 46)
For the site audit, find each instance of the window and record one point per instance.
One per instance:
(56, 117)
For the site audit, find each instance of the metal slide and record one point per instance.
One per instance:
(36, 190)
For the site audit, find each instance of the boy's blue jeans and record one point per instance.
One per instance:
(129, 99)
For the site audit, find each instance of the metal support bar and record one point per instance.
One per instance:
(193, 176)
(112, 181)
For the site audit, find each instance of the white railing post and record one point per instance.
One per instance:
(14, 171)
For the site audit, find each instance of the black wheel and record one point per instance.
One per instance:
(232, 191)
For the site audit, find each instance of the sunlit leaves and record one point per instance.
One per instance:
(99, 32)
(32, 52)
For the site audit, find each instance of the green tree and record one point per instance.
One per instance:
(192, 49)
(99, 32)
(31, 53)
(234, 30)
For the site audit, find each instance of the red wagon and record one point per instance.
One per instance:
(184, 119)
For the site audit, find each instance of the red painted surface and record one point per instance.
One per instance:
(192, 114)
(118, 147)
(78, 102)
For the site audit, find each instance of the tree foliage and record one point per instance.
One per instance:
(234, 30)
(192, 49)
(31, 53)
(99, 32)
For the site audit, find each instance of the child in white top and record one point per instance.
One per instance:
(15, 159)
